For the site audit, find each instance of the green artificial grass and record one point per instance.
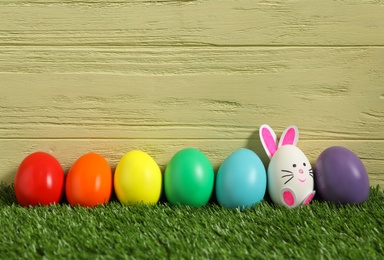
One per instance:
(114, 231)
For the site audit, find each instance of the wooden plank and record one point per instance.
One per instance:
(229, 22)
(330, 93)
(67, 151)
(162, 61)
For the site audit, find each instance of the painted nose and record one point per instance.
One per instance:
(301, 171)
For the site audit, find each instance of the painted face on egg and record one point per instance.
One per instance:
(299, 172)
(290, 168)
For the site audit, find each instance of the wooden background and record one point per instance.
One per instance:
(111, 76)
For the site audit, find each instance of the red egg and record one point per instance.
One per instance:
(89, 181)
(39, 180)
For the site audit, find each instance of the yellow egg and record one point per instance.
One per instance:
(137, 179)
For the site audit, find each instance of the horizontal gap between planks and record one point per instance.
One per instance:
(175, 138)
(207, 45)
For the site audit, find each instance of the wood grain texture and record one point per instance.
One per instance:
(228, 22)
(112, 76)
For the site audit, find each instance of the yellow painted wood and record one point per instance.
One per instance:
(212, 106)
(112, 76)
(180, 23)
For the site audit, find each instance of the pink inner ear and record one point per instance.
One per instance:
(269, 141)
(289, 137)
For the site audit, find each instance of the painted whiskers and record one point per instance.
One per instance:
(290, 175)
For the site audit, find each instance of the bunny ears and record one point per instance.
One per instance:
(269, 140)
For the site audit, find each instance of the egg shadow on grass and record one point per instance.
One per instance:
(113, 197)
(163, 198)
(63, 199)
(213, 198)
(8, 196)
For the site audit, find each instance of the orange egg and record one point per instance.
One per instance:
(89, 181)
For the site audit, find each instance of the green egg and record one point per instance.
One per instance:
(189, 178)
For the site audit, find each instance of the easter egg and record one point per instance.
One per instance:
(189, 178)
(341, 176)
(241, 181)
(89, 181)
(39, 180)
(138, 179)
(290, 177)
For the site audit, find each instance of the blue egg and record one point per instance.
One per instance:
(241, 180)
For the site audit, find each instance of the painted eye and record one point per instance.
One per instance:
(304, 164)
(294, 165)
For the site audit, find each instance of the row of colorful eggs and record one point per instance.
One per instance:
(189, 179)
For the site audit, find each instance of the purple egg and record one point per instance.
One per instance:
(341, 177)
